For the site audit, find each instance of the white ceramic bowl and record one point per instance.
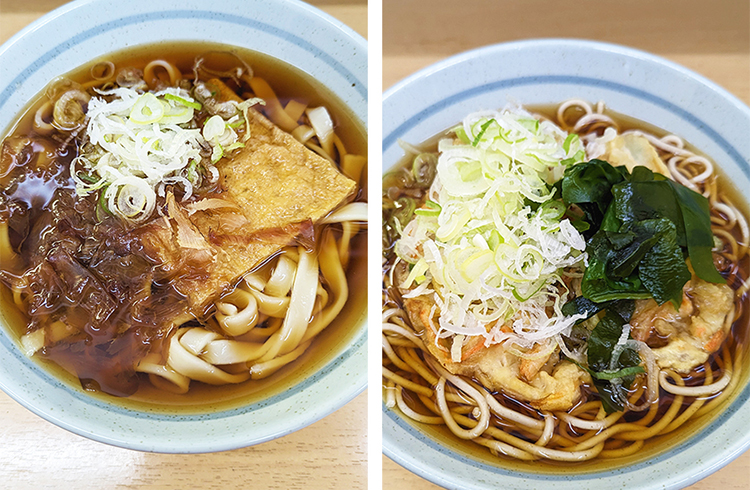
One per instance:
(630, 82)
(291, 31)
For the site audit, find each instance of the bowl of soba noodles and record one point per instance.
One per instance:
(183, 220)
(565, 270)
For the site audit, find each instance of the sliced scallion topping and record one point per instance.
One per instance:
(431, 209)
(188, 103)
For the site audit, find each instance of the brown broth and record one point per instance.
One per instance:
(738, 342)
(288, 83)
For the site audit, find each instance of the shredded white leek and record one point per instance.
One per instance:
(142, 142)
(139, 145)
(492, 264)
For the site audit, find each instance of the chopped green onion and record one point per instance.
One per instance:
(552, 210)
(214, 127)
(424, 167)
(405, 210)
(147, 109)
(469, 170)
(218, 151)
(431, 209)
(103, 200)
(88, 178)
(192, 175)
(479, 135)
(532, 124)
(566, 144)
(417, 271)
(530, 291)
(195, 105)
(461, 134)
(494, 240)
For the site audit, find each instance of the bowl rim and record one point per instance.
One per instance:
(599, 46)
(331, 395)
(396, 428)
(65, 8)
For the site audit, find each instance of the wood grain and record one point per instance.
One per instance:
(711, 38)
(35, 454)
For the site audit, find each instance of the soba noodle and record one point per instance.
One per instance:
(423, 390)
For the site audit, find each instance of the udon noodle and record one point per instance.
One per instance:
(264, 323)
(660, 401)
(173, 220)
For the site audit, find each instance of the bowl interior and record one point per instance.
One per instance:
(547, 72)
(325, 50)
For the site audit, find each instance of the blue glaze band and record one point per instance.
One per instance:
(690, 118)
(177, 15)
(692, 441)
(41, 373)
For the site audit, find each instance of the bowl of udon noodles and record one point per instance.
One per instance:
(565, 270)
(183, 220)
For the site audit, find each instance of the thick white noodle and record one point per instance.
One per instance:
(282, 278)
(188, 364)
(157, 371)
(237, 313)
(356, 211)
(266, 368)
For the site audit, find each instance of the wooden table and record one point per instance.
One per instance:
(712, 38)
(35, 454)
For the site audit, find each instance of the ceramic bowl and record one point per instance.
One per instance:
(288, 30)
(630, 82)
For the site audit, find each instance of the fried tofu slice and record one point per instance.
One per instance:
(274, 190)
(202, 258)
(276, 180)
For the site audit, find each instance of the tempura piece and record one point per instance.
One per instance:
(554, 385)
(694, 332)
(632, 150)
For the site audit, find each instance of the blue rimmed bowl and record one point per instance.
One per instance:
(287, 30)
(630, 82)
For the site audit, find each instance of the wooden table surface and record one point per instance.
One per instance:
(711, 38)
(35, 454)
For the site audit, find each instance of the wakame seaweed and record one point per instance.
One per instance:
(601, 343)
(642, 228)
